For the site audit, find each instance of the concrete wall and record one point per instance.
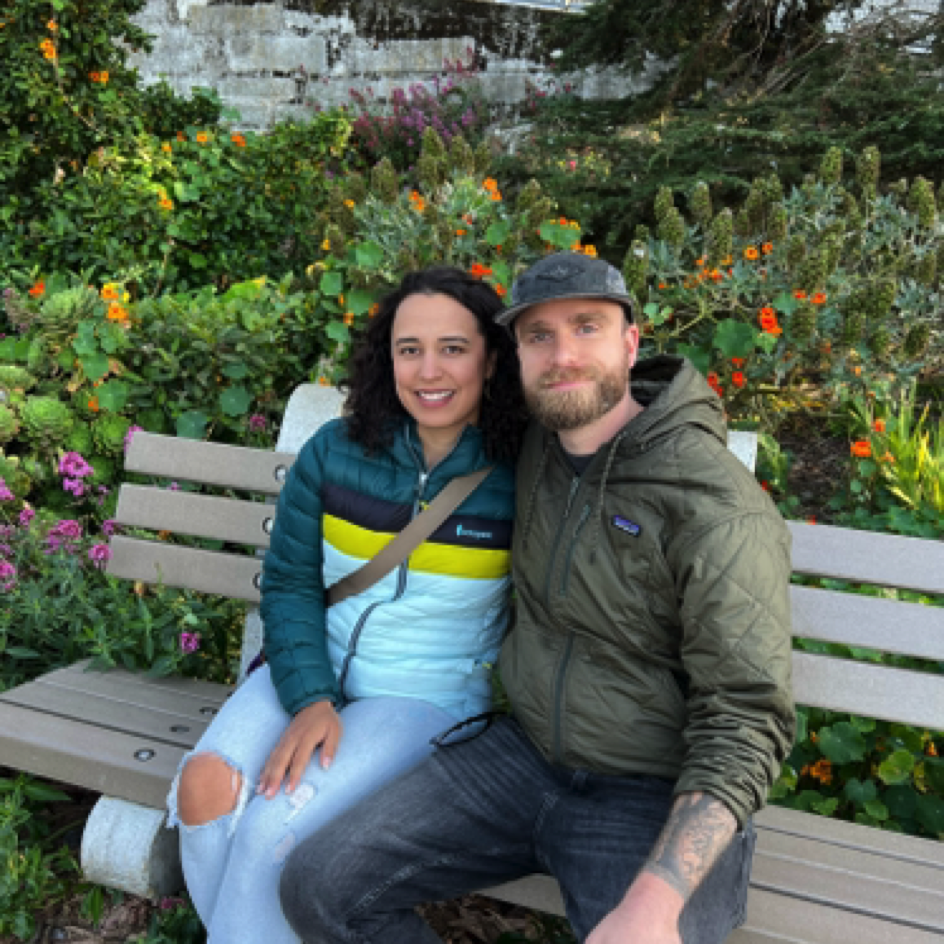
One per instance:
(271, 59)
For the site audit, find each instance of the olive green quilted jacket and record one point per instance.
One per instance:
(653, 624)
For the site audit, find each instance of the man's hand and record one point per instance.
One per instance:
(647, 915)
(313, 726)
(697, 831)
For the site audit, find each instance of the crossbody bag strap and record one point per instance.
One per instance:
(409, 539)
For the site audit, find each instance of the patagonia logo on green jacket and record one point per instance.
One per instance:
(624, 524)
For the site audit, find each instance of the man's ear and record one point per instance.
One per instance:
(631, 340)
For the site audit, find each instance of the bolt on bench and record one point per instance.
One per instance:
(815, 880)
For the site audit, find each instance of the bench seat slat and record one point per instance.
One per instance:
(868, 622)
(230, 575)
(863, 884)
(874, 691)
(887, 560)
(853, 836)
(199, 690)
(225, 519)
(771, 914)
(152, 724)
(86, 755)
(191, 460)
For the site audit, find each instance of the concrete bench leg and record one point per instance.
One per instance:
(127, 846)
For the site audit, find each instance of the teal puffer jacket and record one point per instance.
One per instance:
(430, 629)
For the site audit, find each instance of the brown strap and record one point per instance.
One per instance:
(409, 539)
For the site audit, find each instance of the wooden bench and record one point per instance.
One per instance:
(814, 880)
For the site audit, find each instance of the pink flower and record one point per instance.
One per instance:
(74, 486)
(74, 465)
(7, 575)
(99, 554)
(67, 528)
(189, 642)
(109, 527)
(26, 516)
(257, 423)
(5, 493)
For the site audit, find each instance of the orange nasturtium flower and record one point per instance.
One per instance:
(238, 140)
(52, 26)
(202, 137)
(738, 362)
(93, 404)
(862, 449)
(751, 253)
(501, 291)
(767, 248)
(95, 76)
(460, 232)
(819, 298)
(109, 292)
(49, 53)
(879, 426)
(165, 203)
(490, 184)
(103, 78)
(496, 196)
(166, 148)
(349, 318)
(478, 270)
(799, 295)
(768, 321)
(737, 378)
(326, 245)
(38, 289)
(590, 251)
(180, 136)
(117, 313)
(373, 310)
(349, 204)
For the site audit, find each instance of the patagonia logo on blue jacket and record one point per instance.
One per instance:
(468, 533)
(624, 524)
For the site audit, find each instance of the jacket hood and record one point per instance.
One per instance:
(674, 394)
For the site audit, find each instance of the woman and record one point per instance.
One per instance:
(351, 696)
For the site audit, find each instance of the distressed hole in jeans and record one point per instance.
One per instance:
(303, 795)
(284, 847)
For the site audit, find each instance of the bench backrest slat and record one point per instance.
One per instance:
(868, 557)
(874, 691)
(192, 460)
(225, 519)
(231, 575)
(868, 622)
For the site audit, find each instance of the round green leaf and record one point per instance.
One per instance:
(113, 395)
(338, 331)
(332, 283)
(497, 233)
(192, 424)
(876, 809)
(897, 768)
(842, 743)
(235, 371)
(359, 301)
(234, 401)
(901, 801)
(858, 793)
(369, 255)
(734, 338)
(930, 810)
(94, 365)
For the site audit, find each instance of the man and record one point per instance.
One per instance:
(648, 670)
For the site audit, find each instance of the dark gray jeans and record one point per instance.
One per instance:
(483, 812)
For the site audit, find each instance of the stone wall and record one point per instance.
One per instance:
(271, 60)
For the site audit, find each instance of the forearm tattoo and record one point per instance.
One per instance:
(697, 831)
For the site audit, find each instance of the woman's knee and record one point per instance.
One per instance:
(209, 788)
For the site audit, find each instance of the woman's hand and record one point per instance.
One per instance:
(315, 725)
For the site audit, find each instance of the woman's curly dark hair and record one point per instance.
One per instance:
(373, 407)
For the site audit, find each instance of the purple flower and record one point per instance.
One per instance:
(109, 527)
(74, 465)
(130, 435)
(74, 486)
(67, 528)
(173, 487)
(189, 642)
(99, 554)
(7, 575)
(5, 550)
(26, 516)
(5, 493)
(7, 530)
(257, 423)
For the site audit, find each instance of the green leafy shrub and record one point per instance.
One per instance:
(204, 206)
(33, 875)
(815, 284)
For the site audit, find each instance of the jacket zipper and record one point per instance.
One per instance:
(401, 570)
(584, 515)
(574, 485)
(558, 752)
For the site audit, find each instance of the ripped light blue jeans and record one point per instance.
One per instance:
(232, 865)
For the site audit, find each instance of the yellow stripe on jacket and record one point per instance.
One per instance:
(429, 557)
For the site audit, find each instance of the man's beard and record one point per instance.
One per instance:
(565, 410)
